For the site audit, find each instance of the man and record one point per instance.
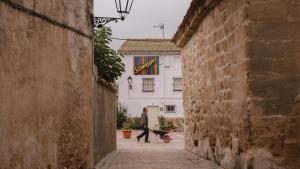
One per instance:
(144, 124)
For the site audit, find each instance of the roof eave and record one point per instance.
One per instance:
(150, 52)
(192, 20)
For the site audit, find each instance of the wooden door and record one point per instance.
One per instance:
(153, 112)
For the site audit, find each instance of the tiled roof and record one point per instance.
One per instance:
(148, 46)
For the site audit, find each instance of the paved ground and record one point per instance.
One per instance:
(155, 155)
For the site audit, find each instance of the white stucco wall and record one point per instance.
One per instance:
(136, 99)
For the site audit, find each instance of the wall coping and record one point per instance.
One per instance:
(151, 53)
(102, 81)
(48, 19)
(107, 84)
(196, 13)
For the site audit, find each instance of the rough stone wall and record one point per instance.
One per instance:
(273, 50)
(215, 85)
(241, 78)
(45, 84)
(105, 120)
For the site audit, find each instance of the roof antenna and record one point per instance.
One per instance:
(161, 26)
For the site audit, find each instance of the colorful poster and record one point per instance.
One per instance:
(146, 65)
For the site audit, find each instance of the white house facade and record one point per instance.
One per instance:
(152, 78)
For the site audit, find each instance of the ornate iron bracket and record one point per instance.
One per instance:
(101, 21)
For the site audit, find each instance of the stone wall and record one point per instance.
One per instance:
(215, 85)
(45, 84)
(241, 77)
(105, 116)
(273, 50)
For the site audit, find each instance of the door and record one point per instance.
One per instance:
(153, 112)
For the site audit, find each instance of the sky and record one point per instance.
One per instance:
(143, 16)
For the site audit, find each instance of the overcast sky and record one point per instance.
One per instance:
(143, 16)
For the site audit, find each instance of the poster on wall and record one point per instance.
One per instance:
(146, 65)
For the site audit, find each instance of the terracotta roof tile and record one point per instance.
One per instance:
(138, 46)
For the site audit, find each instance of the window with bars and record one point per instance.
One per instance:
(177, 84)
(170, 109)
(148, 84)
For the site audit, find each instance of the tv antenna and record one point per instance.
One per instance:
(161, 27)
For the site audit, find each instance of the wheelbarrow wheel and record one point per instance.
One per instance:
(167, 138)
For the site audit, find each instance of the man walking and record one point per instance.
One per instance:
(144, 124)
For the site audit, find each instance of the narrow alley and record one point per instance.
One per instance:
(77, 77)
(155, 155)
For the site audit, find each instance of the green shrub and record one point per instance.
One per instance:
(170, 125)
(134, 123)
(121, 115)
(162, 122)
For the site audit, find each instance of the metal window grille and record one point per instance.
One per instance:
(177, 84)
(170, 108)
(148, 84)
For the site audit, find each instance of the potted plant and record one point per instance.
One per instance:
(126, 131)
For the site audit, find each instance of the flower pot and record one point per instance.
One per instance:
(127, 134)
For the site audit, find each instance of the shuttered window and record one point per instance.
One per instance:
(148, 84)
(170, 108)
(177, 84)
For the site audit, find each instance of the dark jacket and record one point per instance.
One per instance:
(144, 119)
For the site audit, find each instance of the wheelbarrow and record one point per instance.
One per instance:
(163, 135)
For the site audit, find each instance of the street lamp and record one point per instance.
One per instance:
(123, 8)
(129, 80)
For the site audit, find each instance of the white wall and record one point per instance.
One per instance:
(135, 99)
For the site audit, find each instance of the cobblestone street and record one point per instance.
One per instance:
(155, 155)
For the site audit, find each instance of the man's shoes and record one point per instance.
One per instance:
(147, 141)
(138, 139)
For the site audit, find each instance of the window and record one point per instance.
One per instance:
(177, 84)
(170, 108)
(148, 84)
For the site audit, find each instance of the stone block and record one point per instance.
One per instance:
(278, 31)
(285, 66)
(269, 125)
(292, 128)
(291, 149)
(261, 49)
(293, 12)
(262, 160)
(259, 65)
(294, 48)
(271, 11)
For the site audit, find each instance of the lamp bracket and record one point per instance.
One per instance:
(101, 21)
